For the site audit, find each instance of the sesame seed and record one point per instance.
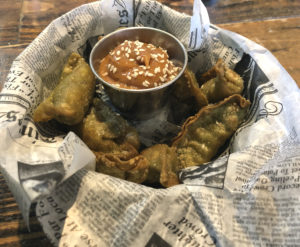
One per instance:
(150, 74)
(146, 83)
(105, 74)
(131, 59)
(157, 70)
(115, 70)
(127, 55)
(118, 53)
(141, 72)
(128, 77)
(155, 84)
(162, 79)
(138, 57)
(108, 66)
(122, 48)
(118, 58)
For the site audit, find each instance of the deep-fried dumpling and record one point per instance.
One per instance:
(187, 98)
(114, 142)
(163, 165)
(187, 90)
(221, 82)
(125, 164)
(203, 134)
(104, 130)
(70, 99)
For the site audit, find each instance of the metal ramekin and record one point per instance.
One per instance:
(139, 103)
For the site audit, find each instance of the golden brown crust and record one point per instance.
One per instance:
(225, 82)
(203, 134)
(104, 130)
(187, 90)
(134, 169)
(163, 165)
(70, 99)
(114, 142)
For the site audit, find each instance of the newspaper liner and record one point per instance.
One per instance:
(246, 197)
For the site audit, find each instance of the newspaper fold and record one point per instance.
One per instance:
(248, 196)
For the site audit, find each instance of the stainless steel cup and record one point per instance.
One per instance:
(139, 104)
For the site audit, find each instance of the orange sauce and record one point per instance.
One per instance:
(137, 65)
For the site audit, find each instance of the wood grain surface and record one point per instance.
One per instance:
(274, 24)
(13, 231)
(280, 36)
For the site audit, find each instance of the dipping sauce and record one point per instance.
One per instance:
(137, 65)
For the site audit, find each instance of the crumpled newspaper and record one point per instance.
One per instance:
(247, 196)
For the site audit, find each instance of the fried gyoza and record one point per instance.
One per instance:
(221, 82)
(187, 98)
(187, 90)
(203, 134)
(104, 130)
(163, 165)
(114, 142)
(124, 164)
(70, 99)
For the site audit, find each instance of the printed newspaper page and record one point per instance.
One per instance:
(247, 196)
(112, 212)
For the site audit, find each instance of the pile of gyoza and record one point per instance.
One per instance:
(214, 106)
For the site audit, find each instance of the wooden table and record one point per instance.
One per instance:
(273, 24)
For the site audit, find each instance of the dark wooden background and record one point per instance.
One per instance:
(274, 24)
